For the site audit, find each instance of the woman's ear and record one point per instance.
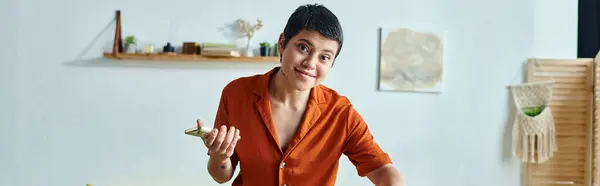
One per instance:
(280, 46)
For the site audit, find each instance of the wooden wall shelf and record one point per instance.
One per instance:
(184, 57)
(118, 54)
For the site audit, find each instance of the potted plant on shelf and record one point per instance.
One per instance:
(130, 44)
(265, 49)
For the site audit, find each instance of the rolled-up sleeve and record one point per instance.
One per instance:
(360, 146)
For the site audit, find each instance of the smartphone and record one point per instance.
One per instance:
(199, 132)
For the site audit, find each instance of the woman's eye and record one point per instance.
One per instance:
(325, 58)
(303, 48)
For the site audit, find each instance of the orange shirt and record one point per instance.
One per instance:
(331, 127)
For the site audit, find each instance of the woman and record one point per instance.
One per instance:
(295, 130)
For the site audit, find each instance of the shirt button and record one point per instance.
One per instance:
(282, 166)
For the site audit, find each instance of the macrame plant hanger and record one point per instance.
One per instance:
(533, 132)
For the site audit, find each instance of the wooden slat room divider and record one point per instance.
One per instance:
(573, 110)
(596, 125)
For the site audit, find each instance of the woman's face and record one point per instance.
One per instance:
(307, 58)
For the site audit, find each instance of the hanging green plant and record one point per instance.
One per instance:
(533, 125)
(533, 111)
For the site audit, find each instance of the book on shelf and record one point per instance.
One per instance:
(215, 49)
(218, 45)
(220, 52)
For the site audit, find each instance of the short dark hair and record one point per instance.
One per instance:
(314, 17)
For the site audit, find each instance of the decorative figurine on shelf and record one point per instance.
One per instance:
(265, 49)
(130, 44)
(248, 32)
(190, 48)
(168, 49)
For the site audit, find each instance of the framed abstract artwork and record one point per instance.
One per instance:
(412, 60)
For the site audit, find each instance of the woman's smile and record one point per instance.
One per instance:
(303, 74)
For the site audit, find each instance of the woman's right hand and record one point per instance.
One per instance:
(221, 142)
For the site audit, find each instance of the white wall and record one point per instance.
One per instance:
(81, 121)
(8, 59)
(555, 29)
